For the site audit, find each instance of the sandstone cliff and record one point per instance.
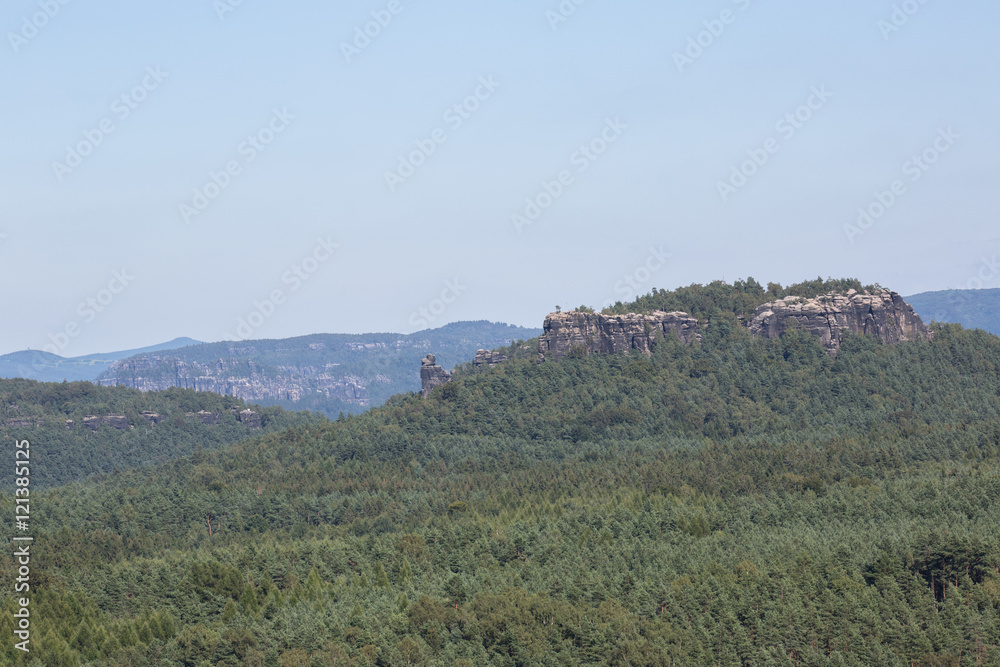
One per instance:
(328, 373)
(431, 375)
(236, 377)
(882, 314)
(608, 334)
(488, 358)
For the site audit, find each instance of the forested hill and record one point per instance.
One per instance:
(973, 309)
(735, 501)
(48, 367)
(78, 429)
(328, 373)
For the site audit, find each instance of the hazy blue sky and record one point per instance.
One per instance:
(184, 85)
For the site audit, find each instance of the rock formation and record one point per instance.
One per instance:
(205, 417)
(236, 377)
(23, 422)
(431, 375)
(153, 418)
(882, 314)
(608, 334)
(488, 358)
(250, 418)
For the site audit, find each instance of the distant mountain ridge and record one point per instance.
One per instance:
(972, 308)
(47, 367)
(328, 373)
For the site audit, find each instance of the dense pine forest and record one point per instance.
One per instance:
(146, 428)
(739, 501)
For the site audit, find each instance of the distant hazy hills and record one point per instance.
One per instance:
(973, 309)
(47, 367)
(327, 373)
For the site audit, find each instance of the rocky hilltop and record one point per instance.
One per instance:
(883, 314)
(596, 333)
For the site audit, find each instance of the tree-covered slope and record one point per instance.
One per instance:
(54, 417)
(740, 298)
(737, 502)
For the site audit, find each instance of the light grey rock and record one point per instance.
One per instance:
(488, 358)
(610, 334)
(250, 418)
(431, 375)
(882, 314)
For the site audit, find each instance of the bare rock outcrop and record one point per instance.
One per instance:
(205, 417)
(236, 377)
(250, 418)
(882, 314)
(609, 334)
(488, 358)
(431, 375)
(153, 418)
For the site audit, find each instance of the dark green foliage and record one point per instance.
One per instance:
(737, 502)
(740, 298)
(39, 412)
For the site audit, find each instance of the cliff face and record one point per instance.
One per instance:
(488, 358)
(883, 315)
(608, 334)
(233, 377)
(326, 373)
(431, 375)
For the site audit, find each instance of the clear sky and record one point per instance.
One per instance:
(229, 158)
